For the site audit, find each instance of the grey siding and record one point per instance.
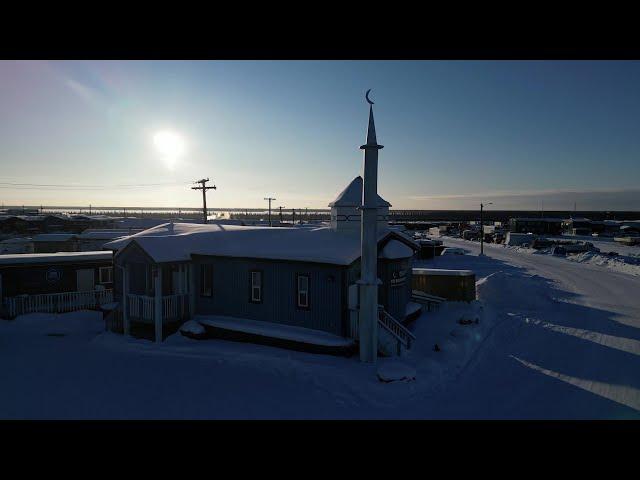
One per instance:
(393, 298)
(231, 279)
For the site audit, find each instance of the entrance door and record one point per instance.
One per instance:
(85, 280)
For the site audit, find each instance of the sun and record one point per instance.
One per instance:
(170, 145)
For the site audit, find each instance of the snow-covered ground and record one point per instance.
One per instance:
(627, 260)
(553, 339)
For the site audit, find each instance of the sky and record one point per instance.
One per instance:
(520, 134)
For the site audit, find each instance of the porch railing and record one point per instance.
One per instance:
(56, 302)
(399, 332)
(142, 307)
(175, 307)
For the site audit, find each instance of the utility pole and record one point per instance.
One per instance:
(293, 216)
(204, 188)
(270, 199)
(280, 207)
(482, 229)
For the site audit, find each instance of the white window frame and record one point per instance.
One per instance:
(300, 290)
(256, 285)
(110, 275)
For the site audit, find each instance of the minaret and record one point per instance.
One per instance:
(368, 315)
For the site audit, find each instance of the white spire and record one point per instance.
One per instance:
(368, 283)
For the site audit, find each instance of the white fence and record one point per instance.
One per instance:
(57, 302)
(140, 307)
(174, 307)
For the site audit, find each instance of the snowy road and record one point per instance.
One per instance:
(570, 349)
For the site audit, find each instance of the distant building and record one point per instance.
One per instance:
(94, 239)
(54, 242)
(16, 245)
(540, 226)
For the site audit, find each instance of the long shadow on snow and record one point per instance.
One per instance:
(558, 336)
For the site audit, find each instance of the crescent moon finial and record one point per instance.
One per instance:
(366, 95)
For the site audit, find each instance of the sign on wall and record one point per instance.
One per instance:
(53, 275)
(398, 278)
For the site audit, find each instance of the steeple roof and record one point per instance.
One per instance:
(352, 195)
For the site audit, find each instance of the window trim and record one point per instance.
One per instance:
(100, 270)
(203, 267)
(261, 287)
(308, 305)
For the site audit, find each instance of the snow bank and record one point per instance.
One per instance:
(412, 307)
(192, 327)
(624, 264)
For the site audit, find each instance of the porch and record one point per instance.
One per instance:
(56, 302)
(156, 295)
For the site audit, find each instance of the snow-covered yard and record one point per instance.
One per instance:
(553, 339)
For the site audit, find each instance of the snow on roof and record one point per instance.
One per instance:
(16, 240)
(53, 237)
(440, 271)
(178, 241)
(538, 219)
(103, 234)
(352, 196)
(396, 249)
(275, 330)
(30, 258)
(578, 219)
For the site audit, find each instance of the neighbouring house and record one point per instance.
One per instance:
(94, 239)
(55, 242)
(55, 282)
(539, 226)
(581, 226)
(298, 276)
(16, 245)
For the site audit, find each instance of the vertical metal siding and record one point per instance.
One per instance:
(231, 279)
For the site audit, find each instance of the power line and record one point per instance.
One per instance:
(56, 186)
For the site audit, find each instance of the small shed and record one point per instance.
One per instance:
(454, 285)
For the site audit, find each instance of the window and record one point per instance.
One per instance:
(106, 274)
(303, 291)
(256, 286)
(206, 280)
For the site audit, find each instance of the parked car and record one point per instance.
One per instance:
(453, 251)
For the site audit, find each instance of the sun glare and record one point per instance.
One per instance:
(170, 145)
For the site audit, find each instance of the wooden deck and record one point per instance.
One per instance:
(274, 335)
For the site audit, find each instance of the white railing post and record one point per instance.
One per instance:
(125, 298)
(158, 304)
(192, 289)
